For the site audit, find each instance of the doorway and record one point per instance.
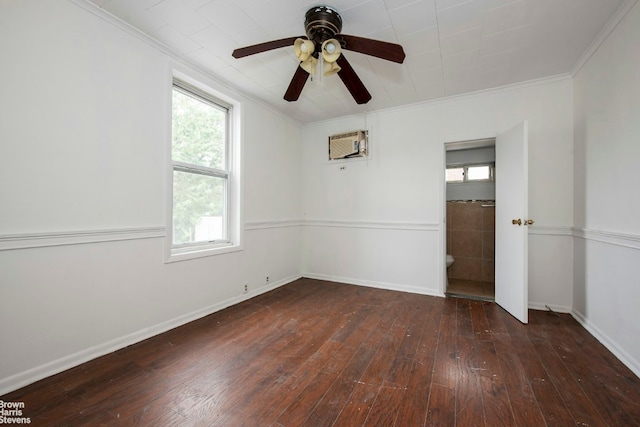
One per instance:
(470, 218)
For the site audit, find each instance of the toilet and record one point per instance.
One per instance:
(449, 260)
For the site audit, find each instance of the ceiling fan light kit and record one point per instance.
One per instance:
(324, 44)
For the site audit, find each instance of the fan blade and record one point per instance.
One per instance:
(352, 81)
(263, 47)
(385, 50)
(297, 83)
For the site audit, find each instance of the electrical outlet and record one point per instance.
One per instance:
(245, 287)
(267, 280)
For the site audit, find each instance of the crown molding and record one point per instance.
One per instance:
(175, 55)
(602, 36)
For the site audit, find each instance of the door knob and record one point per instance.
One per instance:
(528, 222)
(516, 221)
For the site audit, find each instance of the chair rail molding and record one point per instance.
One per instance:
(617, 239)
(77, 237)
(383, 225)
(261, 225)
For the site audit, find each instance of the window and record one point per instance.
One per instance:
(469, 173)
(455, 175)
(201, 161)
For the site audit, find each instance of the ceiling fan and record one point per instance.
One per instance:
(322, 48)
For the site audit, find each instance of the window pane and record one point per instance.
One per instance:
(198, 132)
(198, 208)
(455, 174)
(475, 173)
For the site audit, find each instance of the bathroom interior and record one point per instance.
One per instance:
(470, 219)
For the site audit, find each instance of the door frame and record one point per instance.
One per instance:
(489, 141)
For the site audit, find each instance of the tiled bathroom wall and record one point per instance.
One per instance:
(471, 240)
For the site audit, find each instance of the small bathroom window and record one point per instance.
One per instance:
(455, 174)
(469, 173)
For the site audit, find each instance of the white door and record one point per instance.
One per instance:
(511, 264)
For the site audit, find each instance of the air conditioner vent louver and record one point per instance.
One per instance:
(346, 145)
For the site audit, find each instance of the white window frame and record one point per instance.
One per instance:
(465, 177)
(233, 213)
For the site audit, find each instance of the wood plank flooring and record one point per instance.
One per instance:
(316, 353)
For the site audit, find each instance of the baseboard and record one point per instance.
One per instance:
(373, 284)
(546, 307)
(610, 344)
(416, 290)
(30, 376)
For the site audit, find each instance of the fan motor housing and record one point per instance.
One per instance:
(322, 23)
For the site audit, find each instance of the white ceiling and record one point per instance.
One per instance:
(452, 46)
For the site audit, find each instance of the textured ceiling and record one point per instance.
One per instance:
(452, 46)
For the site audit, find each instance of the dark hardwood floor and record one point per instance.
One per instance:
(316, 353)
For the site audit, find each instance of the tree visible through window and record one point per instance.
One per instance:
(199, 154)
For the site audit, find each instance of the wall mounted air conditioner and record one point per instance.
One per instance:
(347, 145)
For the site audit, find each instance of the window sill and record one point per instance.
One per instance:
(201, 252)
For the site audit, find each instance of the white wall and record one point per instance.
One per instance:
(83, 136)
(82, 165)
(380, 222)
(607, 206)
